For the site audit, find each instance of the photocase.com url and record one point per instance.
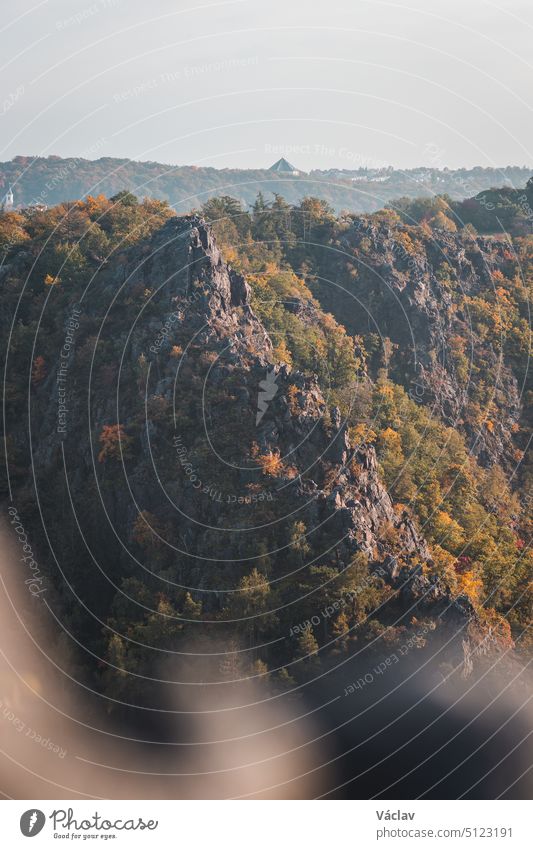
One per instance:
(464, 833)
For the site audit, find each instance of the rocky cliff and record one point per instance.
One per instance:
(183, 478)
(436, 305)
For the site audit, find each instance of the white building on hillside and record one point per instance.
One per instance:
(7, 201)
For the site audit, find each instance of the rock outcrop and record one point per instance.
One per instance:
(188, 457)
(422, 297)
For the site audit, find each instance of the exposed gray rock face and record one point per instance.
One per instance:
(407, 294)
(186, 264)
(183, 375)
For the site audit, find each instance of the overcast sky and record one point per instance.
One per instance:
(341, 83)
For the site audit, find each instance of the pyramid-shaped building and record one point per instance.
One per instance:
(284, 167)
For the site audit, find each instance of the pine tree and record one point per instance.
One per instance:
(340, 630)
(191, 609)
(307, 646)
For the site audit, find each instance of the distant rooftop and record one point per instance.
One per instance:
(284, 167)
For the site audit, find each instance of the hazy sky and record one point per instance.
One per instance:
(342, 83)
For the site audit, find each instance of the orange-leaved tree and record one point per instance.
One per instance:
(115, 443)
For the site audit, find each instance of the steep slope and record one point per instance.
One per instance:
(438, 374)
(180, 485)
(443, 303)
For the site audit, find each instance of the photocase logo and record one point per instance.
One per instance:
(32, 822)
(267, 391)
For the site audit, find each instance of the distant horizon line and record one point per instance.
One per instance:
(364, 167)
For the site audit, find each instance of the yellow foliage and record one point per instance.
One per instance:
(390, 438)
(447, 531)
(490, 635)
(386, 391)
(362, 433)
(271, 463)
(230, 255)
(442, 558)
(282, 353)
(471, 585)
(292, 397)
(96, 206)
(442, 222)
(406, 242)
(12, 230)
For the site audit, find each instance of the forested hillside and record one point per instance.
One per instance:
(51, 180)
(295, 434)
